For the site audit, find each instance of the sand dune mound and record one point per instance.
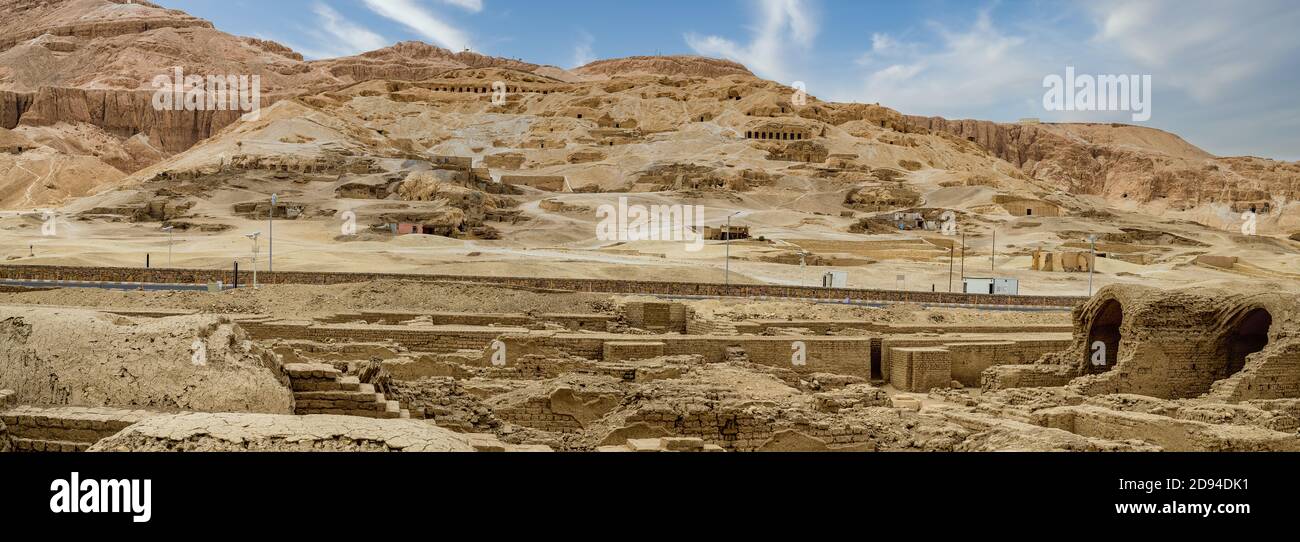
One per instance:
(58, 356)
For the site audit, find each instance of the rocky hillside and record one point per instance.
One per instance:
(417, 61)
(76, 79)
(1123, 162)
(688, 66)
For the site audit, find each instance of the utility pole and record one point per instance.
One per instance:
(727, 265)
(254, 237)
(952, 247)
(963, 260)
(169, 230)
(1092, 264)
(270, 236)
(994, 257)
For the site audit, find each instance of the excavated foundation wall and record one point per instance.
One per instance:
(840, 355)
(77, 357)
(1172, 344)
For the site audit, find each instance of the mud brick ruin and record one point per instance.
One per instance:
(1135, 368)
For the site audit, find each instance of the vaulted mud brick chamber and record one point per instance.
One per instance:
(1246, 334)
(1105, 329)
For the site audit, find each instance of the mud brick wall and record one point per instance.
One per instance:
(444, 340)
(920, 368)
(742, 429)
(1273, 373)
(436, 318)
(663, 317)
(697, 326)
(65, 429)
(1175, 365)
(204, 276)
(825, 326)
(888, 344)
(585, 322)
(534, 367)
(628, 350)
(537, 414)
(970, 360)
(581, 322)
(733, 429)
(1001, 377)
(1171, 434)
(841, 355)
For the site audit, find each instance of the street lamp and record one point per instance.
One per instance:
(254, 237)
(169, 230)
(993, 254)
(803, 263)
(1092, 264)
(727, 265)
(270, 237)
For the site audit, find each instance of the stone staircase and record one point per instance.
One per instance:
(321, 389)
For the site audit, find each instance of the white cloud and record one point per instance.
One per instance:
(469, 5)
(969, 69)
(335, 36)
(1205, 48)
(424, 22)
(582, 52)
(785, 28)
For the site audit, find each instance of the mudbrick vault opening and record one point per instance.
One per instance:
(1248, 335)
(1104, 330)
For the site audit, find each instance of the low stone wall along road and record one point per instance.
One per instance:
(165, 279)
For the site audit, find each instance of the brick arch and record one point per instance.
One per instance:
(1104, 327)
(1246, 333)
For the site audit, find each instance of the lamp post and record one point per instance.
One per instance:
(952, 249)
(727, 265)
(254, 237)
(270, 235)
(1092, 239)
(169, 230)
(803, 263)
(993, 258)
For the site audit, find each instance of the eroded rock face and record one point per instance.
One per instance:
(1104, 160)
(664, 65)
(12, 107)
(85, 358)
(227, 432)
(125, 114)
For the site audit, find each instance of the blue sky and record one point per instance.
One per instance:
(1226, 75)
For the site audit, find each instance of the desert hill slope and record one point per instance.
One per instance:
(415, 158)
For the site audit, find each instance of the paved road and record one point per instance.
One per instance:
(136, 286)
(124, 286)
(883, 304)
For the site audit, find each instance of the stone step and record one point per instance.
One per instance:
(392, 406)
(311, 371)
(340, 405)
(338, 395)
(342, 412)
(36, 445)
